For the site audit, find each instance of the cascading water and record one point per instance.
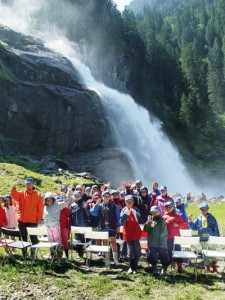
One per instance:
(137, 134)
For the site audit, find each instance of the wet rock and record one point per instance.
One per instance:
(106, 164)
(44, 108)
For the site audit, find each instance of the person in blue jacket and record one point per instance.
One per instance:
(206, 225)
(181, 207)
(109, 220)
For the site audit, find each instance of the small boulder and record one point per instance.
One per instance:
(201, 197)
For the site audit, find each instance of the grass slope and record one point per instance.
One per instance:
(9, 173)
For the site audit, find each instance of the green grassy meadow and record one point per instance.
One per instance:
(72, 279)
(9, 173)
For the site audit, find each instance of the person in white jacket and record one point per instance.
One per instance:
(52, 218)
(11, 213)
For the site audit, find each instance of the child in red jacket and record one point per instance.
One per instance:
(64, 222)
(3, 219)
(174, 222)
(131, 232)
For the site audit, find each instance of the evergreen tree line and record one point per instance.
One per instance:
(177, 60)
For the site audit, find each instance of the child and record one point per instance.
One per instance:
(157, 241)
(173, 222)
(122, 197)
(87, 194)
(79, 216)
(115, 198)
(131, 232)
(109, 220)
(3, 220)
(65, 192)
(11, 212)
(181, 207)
(94, 222)
(51, 219)
(206, 225)
(64, 222)
(162, 199)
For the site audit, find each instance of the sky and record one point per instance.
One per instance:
(121, 3)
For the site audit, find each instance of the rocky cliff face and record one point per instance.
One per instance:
(44, 108)
(46, 111)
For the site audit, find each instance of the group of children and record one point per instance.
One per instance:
(106, 209)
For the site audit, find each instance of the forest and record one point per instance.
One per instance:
(170, 55)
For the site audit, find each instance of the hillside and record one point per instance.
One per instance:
(10, 172)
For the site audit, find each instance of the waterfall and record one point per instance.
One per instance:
(136, 133)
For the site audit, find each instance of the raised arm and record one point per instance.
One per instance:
(16, 195)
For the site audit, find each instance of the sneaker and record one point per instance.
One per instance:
(116, 263)
(134, 272)
(163, 272)
(100, 254)
(130, 271)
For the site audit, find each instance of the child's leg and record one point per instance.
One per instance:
(152, 256)
(130, 249)
(152, 259)
(54, 236)
(113, 242)
(80, 248)
(170, 249)
(137, 255)
(124, 250)
(114, 247)
(64, 236)
(163, 256)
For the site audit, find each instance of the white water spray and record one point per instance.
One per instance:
(136, 133)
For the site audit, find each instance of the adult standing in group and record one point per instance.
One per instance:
(31, 207)
(142, 202)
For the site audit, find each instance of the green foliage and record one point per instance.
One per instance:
(10, 172)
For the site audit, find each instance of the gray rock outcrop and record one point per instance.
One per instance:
(44, 108)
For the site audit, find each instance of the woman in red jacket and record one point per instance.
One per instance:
(174, 222)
